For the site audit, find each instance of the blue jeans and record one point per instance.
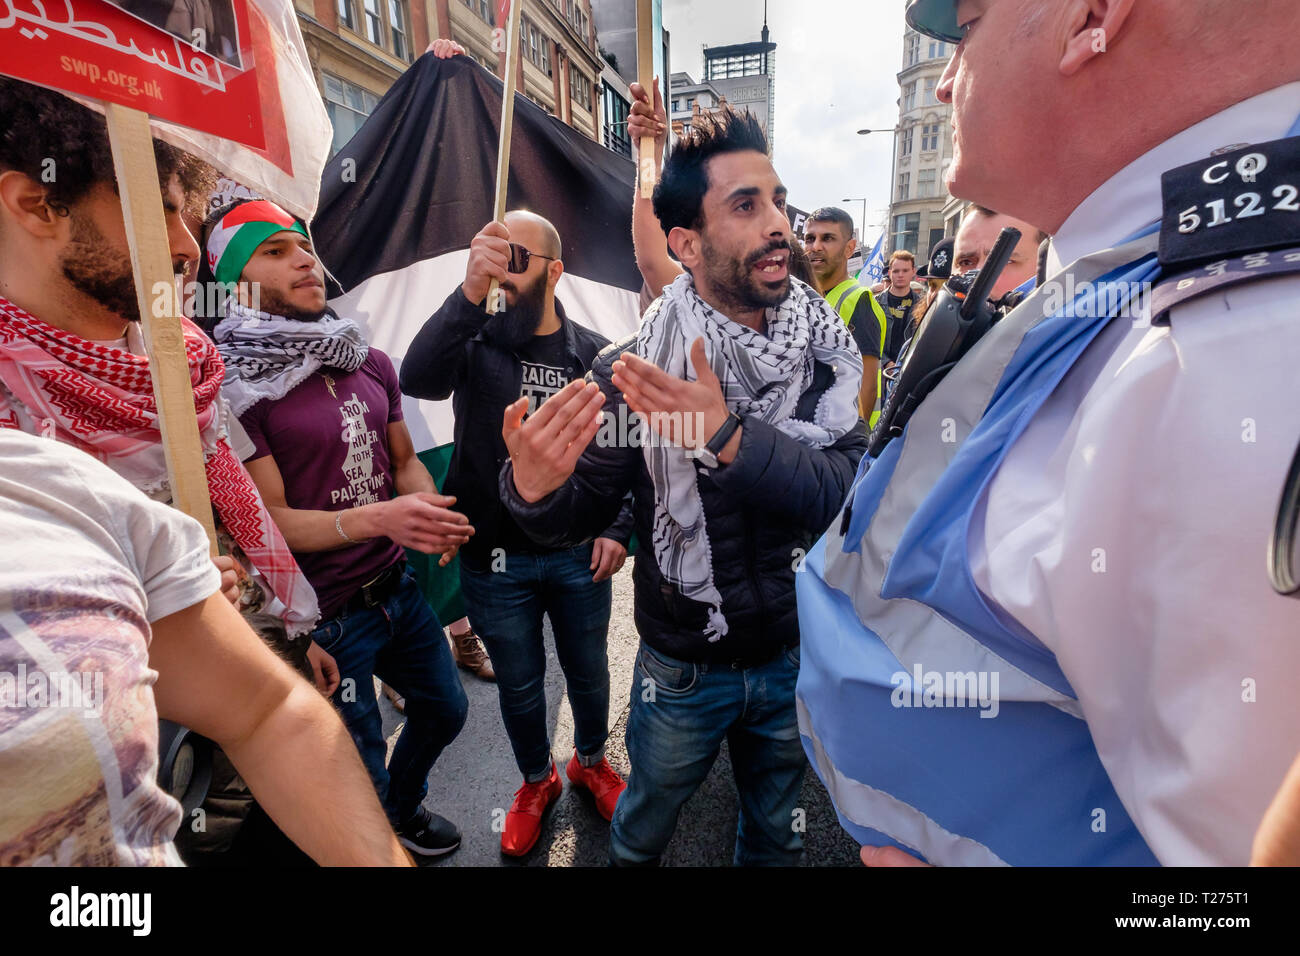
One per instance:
(402, 643)
(680, 714)
(505, 608)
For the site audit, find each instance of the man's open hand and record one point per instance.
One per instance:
(545, 449)
(425, 523)
(685, 413)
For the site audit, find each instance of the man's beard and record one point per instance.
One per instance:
(95, 271)
(735, 283)
(272, 303)
(829, 268)
(512, 328)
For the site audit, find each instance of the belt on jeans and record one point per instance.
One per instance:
(745, 662)
(378, 589)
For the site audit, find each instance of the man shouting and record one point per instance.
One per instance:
(751, 382)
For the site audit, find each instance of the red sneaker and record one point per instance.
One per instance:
(601, 779)
(524, 821)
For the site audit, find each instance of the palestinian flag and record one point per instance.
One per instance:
(401, 201)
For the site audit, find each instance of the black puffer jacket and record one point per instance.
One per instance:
(450, 356)
(762, 512)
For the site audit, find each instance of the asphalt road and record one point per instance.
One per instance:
(474, 781)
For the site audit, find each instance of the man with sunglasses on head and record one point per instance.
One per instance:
(486, 364)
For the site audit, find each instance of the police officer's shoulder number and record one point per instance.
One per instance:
(1243, 200)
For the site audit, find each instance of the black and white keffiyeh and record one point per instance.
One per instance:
(762, 376)
(267, 356)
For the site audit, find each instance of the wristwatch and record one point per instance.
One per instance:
(708, 455)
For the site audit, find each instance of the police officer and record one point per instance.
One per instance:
(1081, 506)
(828, 241)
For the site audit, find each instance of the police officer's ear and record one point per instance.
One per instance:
(686, 246)
(1092, 27)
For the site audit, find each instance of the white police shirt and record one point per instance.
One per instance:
(1127, 528)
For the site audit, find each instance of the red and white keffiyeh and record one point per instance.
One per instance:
(100, 399)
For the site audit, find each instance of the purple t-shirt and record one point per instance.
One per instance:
(329, 438)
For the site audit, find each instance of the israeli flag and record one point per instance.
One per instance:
(874, 270)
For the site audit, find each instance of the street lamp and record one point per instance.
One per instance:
(893, 160)
(862, 235)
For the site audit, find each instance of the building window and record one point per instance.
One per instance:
(374, 22)
(937, 49)
(925, 183)
(905, 142)
(576, 16)
(913, 54)
(398, 29)
(537, 46)
(904, 187)
(909, 97)
(677, 105)
(616, 110)
(580, 87)
(930, 84)
(726, 67)
(930, 138)
(348, 105)
(907, 231)
(383, 22)
(484, 10)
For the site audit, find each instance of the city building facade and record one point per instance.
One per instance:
(616, 42)
(688, 100)
(923, 149)
(742, 75)
(358, 49)
(560, 67)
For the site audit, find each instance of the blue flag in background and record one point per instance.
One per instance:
(874, 270)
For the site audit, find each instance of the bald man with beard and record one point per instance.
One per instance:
(486, 363)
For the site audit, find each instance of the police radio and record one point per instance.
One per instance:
(955, 321)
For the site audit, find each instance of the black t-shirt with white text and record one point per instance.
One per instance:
(544, 373)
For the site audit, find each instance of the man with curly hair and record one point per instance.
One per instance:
(72, 362)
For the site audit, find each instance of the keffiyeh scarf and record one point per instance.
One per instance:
(100, 399)
(267, 356)
(762, 376)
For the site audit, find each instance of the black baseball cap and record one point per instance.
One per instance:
(940, 264)
(935, 18)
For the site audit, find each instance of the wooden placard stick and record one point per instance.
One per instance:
(496, 301)
(645, 69)
(151, 261)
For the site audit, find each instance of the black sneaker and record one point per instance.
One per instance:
(427, 834)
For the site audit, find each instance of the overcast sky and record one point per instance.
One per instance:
(836, 63)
